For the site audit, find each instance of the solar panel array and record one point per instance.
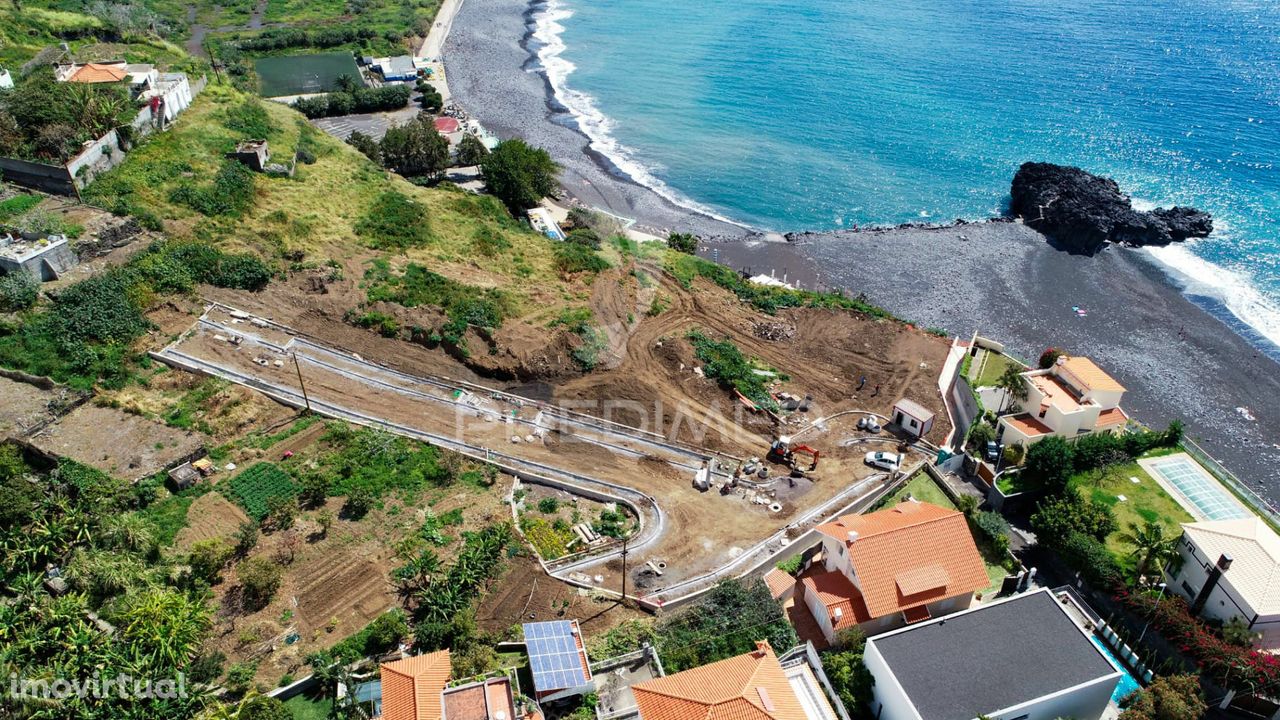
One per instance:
(554, 657)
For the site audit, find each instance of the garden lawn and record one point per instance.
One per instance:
(989, 368)
(1144, 500)
(305, 707)
(921, 487)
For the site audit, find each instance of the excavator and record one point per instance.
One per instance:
(783, 452)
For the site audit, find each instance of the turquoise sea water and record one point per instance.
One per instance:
(807, 114)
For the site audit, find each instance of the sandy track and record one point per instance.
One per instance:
(696, 533)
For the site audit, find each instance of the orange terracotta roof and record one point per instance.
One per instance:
(1055, 393)
(95, 73)
(779, 582)
(834, 590)
(412, 687)
(1028, 425)
(1090, 375)
(1114, 416)
(911, 554)
(747, 687)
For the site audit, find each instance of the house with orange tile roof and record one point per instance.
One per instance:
(902, 565)
(417, 688)
(412, 687)
(1073, 398)
(752, 686)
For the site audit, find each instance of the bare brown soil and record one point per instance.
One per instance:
(210, 517)
(117, 442)
(22, 407)
(526, 594)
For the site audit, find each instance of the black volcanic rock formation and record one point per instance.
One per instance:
(1082, 212)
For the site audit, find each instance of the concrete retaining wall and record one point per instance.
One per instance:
(47, 178)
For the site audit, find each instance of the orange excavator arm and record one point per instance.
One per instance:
(811, 451)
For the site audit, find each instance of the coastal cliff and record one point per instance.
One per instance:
(1082, 212)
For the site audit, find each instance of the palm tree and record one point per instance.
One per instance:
(1150, 545)
(1013, 384)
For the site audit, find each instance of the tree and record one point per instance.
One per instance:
(431, 100)
(246, 537)
(359, 502)
(1013, 385)
(1168, 697)
(979, 434)
(519, 175)
(261, 707)
(416, 148)
(207, 558)
(471, 151)
(1151, 546)
(315, 488)
(324, 519)
(366, 145)
(848, 673)
(1050, 463)
(683, 242)
(282, 511)
(1059, 516)
(259, 580)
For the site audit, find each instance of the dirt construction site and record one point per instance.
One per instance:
(639, 434)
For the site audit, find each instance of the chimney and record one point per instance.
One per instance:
(853, 535)
(1215, 574)
(837, 613)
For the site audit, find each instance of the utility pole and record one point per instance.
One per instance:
(624, 569)
(301, 384)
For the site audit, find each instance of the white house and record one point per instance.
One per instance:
(881, 570)
(1023, 658)
(1249, 587)
(1070, 399)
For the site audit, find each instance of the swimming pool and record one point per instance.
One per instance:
(1128, 683)
(1194, 488)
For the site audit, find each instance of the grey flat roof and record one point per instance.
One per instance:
(992, 658)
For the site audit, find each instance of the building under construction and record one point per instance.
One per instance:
(46, 258)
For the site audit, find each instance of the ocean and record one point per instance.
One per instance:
(827, 114)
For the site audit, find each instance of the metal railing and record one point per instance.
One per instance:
(1257, 503)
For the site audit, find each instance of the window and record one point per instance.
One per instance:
(1186, 587)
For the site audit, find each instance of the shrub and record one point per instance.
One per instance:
(994, 530)
(1091, 558)
(230, 194)
(207, 558)
(1171, 697)
(366, 145)
(725, 363)
(572, 258)
(19, 290)
(1049, 357)
(683, 242)
(548, 505)
(1058, 517)
(585, 237)
(700, 635)
(394, 222)
(250, 119)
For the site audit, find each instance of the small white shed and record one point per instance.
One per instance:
(912, 417)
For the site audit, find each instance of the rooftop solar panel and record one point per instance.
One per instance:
(554, 658)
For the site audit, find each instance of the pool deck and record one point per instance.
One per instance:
(1212, 502)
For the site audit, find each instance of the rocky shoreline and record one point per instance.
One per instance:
(997, 277)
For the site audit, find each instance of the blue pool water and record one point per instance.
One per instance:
(795, 114)
(1128, 683)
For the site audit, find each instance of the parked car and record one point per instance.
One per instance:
(883, 460)
(992, 451)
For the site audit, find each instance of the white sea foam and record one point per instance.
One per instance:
(1233, 289)
(548, 32)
